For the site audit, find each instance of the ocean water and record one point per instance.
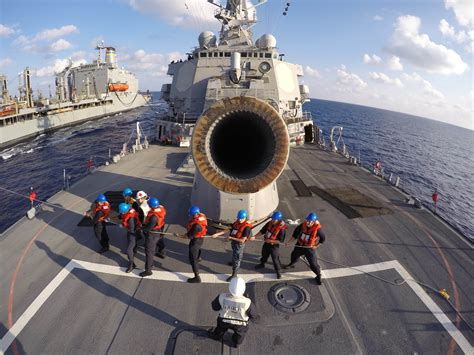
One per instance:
(426, 155)
(40, 163)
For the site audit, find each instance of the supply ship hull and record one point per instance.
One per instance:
(33, 122)
(83, 92)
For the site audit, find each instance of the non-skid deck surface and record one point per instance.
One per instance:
(96, 308)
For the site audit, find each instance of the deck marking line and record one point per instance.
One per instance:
(20, 324)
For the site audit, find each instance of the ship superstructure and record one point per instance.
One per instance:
(83, 92)
(262, 104)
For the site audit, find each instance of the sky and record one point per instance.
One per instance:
(410, 56)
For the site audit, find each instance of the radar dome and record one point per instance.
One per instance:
(207, 39)
(266, 41)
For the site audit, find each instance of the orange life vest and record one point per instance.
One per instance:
(160, 213)
(200, 219)
(105, 209)
(274, 229)
(238, 228)
(308, 235)
(131, 214)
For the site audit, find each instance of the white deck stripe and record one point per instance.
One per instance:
(220, 278)
(34, 307)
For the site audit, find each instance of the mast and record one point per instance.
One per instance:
(237, 19)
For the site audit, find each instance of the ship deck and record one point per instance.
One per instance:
(58, 295)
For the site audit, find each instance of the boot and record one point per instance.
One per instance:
(145, 273)
(289, 266)
(160, 254)
(234, 274)
(131, 266)
(260, 266)
(318, 279)
(278, 275)
(195, 280)
(103, 250)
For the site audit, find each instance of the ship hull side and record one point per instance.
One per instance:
(22, 131)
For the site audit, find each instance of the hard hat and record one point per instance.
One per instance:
(101, 198)
(153, 202)
(194, 210)
(124, 208)
(141, 194)
(277, 216)
(242, 214)
(237, 286)
(127, 192)
(312, 217)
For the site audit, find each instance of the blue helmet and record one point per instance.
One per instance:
(242, 214)
(127, 192)
(194, 210)
(101, 198)
(312, 217)
(277, 216)
(153, 202)
(124, 208)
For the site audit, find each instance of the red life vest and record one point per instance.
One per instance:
(32, 196)
(274, 229)
(131, 214)
(238, 228)
(308, 235)
(160, 213)
(200, 219)
(105, 209)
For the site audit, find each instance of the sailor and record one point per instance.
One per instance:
(274, 233)
(131, 222)
(240, 232)
(32, 196)
(308, 236)
(100, 214)
(153, 228)
(196, 230)
(235, 311)
(143, 207)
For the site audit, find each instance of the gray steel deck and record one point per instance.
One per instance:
(93, 311)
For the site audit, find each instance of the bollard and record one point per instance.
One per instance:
(397, 181)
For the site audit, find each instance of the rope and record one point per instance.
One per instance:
(442, 293)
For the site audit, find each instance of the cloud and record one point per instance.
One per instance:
(428, 89)
(5, 62)
(59, 45)
(394, 64)
(448, 31)
(191, 13)
(348, 81)
(463, 10)
(53, 33)
(6, 31)
(418, 49)
(156, 64)
(374, 59)
(59, 65)
(311, 72)
(378, 18)
(385, 79)
(42, 42)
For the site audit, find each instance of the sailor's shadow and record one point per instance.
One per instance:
(90, 279)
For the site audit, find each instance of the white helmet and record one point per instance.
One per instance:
(141, 194)
(237, 286)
